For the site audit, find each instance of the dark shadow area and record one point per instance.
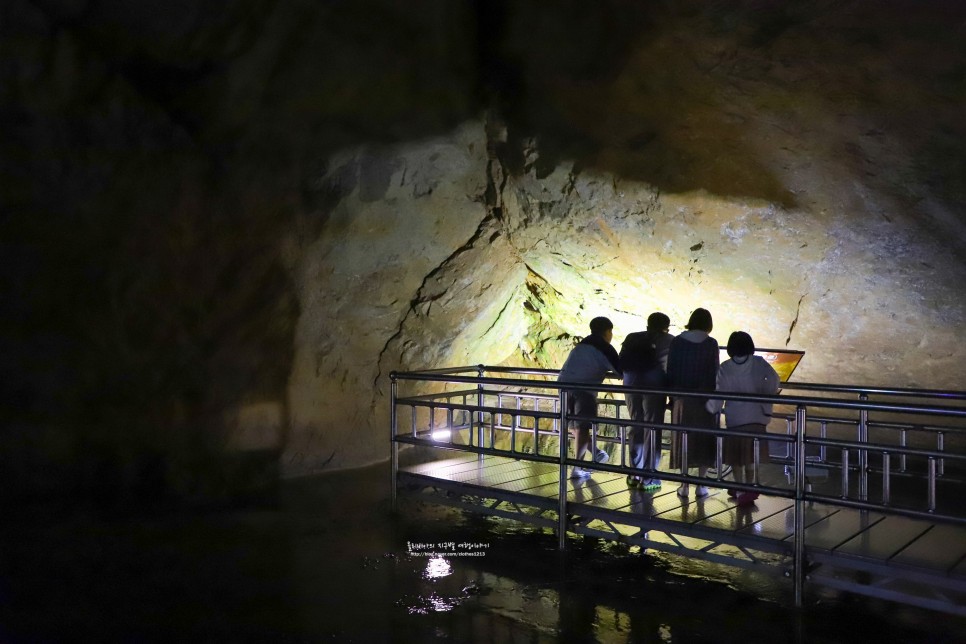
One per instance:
(330, 563)
(153, 158)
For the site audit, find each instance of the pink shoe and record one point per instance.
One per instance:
(747, 498)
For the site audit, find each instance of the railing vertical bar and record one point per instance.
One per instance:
(863, 453)
(393, 428)
(788, 431)
(562, 500)
(513, 432)
(593, 441)
(886, 492)
(556, 413)
(931, 501)
(941, 446)
(718, 457)
(479, 413)
(536, 435)
(845, 473)
(902, 443)
(449, 423)
(823, 432)
(469, 416)
(757, 453)
(684, 455)
(622, 433)
(800, 425)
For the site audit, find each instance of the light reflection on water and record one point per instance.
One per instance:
(603, 591)
(437, 567)
(414, 583)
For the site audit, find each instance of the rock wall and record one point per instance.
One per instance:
(225, 225)
(771, 166)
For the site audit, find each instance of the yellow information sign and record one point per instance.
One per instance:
(783, 361)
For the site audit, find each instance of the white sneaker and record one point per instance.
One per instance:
(580, 473)
(601, 456)
(683, 491)
(701, 492)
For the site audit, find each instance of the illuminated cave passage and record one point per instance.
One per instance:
(223, 224)
(236, 221)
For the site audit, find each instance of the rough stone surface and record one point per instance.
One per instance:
(225, 225)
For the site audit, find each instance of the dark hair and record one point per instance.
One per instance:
(658, 321)
(599, 325)
(740, 344)
(700, 320)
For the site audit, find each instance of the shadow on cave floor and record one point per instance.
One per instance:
(329, 562)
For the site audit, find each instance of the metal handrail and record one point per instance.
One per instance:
(828, 387)
(552, 390)
(956, 412)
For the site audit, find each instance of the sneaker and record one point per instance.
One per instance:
(701, 492)
(732, 493)
(580, 473)
(683, 491)
(633, 481)
(650, 485)
(601, 456)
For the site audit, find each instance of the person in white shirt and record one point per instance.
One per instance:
(744, 373)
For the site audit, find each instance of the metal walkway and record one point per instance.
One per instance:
(495, 449)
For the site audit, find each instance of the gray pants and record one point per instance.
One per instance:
(645, 444)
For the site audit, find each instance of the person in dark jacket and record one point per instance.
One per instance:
(644, 363)
(588, 363)
(692, 363)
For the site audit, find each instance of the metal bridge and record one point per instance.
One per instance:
(861, 489)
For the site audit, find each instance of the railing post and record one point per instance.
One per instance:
(940, 446)
(886, 490)
(622, 434)
(684, 455)
(479, 413)
(562, 505)
(823, 432)
(757, 454)
(393, 427)
(902, 443)
(800, 420)
(719, 456)
(845, 473)
(863, 453)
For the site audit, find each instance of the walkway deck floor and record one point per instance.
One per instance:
(858, 539)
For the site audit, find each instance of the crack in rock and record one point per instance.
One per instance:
(795, 321)
(499, 315)
(496, 180)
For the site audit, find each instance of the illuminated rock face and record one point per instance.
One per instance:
(785, 183)
(238, 220)
(457, 277)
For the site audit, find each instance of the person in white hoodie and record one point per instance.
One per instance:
(744, 373)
